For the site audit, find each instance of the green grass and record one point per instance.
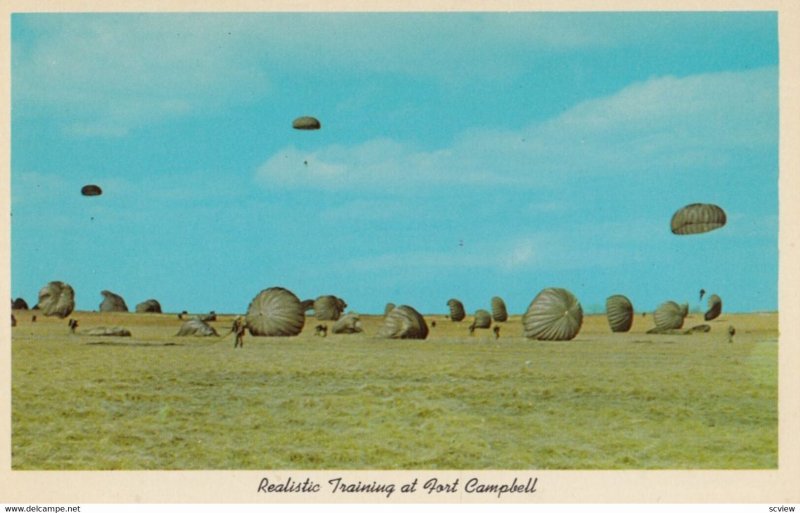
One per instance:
(629, 401)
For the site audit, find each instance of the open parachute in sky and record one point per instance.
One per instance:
(697, 218)
(91, 190)
(306, 123)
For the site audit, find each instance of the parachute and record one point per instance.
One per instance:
(196, 328)
(404, 322)
(328, 308)
(306, 123)
(554, 314)
(388, 308)
(57, 299)
(457, 313)
(697, 218)
(483, 319)
(149, 306)
(20, 304)
(275, 312)
(112, 302)
(499, 312)
(670, 315)
(349, 323)
(619, 311)
(714, 307)
(91, 190)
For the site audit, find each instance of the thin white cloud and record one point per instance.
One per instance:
(663, 124)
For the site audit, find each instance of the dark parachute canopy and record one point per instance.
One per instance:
(670, 315)
(196, 328)
(483, 319)
(112, 302)
(619, 311)
(20, 304)
(404, 322)
(91, 190)
(554, 314)
(499, 312)
(328, 308)
(307, 305)
(714, 307)
(149, 306)
(306, 123)
(457, 313)
(697, 218)
(350, 323)
(388, 308)
(56, 299)
(275, 312)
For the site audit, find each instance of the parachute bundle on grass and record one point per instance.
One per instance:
(483, 319)
(275, 312)
(328, 308)
(670, 315)
(306, 123)
(697, 218)
(112, 302)
(619, 311)
(404, 322)
(499, 312)
(350, 323)
(554, 314)
(104, 331)
(196, 328)
(388, 308)
(714, 307)
(56, 299)
(19, 304)
(149, 306)
(456, 307)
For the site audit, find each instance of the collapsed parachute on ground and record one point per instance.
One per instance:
(106, 331)
(328, 308)
(499, 312)
(482, 319)
(456, 307)
(307, 305)
(554, 314)
(350, 323)
(404, 322)
(56, 299)
(149, 306)
(697, 218)
(112, 302)
(196, 328)
(306, 123)
(19, 304)
(714, 307)
(91, 190)
(275, 312)
(388, 308)
(619, 312)
(670, 315)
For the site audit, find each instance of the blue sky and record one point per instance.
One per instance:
(461, 155)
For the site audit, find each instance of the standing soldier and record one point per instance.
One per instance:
(239, 327)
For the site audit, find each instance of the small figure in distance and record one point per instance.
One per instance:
(321, 330)
(33, 319)
(433, 324)
(731, 333)
(472, 328)
(73, 324)
(238, 327)
(13, 320)
(496, 330)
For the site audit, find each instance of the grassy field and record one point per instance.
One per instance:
(454, 401)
